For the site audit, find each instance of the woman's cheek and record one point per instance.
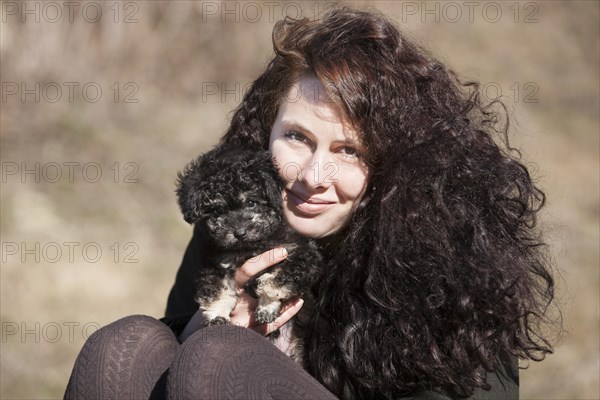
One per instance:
(290, 168)
(352, 184)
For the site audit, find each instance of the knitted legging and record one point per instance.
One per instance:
(138, 357)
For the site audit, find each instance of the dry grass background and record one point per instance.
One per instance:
(174, 49)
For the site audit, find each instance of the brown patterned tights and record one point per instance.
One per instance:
(138, 357)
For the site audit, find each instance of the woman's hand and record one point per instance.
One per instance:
(243, 313)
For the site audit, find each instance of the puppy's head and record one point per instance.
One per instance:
(235, 192)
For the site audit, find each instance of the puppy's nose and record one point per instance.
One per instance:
(240, 233)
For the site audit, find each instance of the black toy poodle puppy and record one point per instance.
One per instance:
(234, 195)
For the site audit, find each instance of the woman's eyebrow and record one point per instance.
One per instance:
(296, 125)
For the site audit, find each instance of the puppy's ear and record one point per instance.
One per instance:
(189, 195)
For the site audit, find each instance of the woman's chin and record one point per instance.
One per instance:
(312, 227)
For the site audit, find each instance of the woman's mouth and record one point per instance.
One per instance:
(310, 206)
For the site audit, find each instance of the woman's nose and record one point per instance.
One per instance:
(317, 171)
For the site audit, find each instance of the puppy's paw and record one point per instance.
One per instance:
(267, 286)
(266, 314)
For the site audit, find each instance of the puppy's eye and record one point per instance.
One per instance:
(250, 204)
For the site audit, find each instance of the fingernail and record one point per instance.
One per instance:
(283, 251)
(300, 303)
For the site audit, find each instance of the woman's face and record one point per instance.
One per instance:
(318, 154)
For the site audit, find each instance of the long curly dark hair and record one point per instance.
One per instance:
(440, 275)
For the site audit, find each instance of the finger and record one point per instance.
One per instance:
(284, 317)
(259, 263)
(243, 313)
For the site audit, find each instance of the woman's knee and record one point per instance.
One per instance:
(207, 354)
(225, 342)
(129, 331)
(126, 355)
(231, 362)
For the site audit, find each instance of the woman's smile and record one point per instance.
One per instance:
(309, 206)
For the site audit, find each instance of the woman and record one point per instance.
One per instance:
(436, 280)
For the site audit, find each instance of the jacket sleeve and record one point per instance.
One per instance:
(504, 386)
(181, 298)
(504, 383)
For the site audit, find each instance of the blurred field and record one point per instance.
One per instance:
(186, 64)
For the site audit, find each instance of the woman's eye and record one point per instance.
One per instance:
(349, 152)
(295, 135)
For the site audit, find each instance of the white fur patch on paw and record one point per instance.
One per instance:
(269, 298)
(267, 310)
(223, 304)
(266, 288)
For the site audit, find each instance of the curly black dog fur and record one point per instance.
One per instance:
(234, 195)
